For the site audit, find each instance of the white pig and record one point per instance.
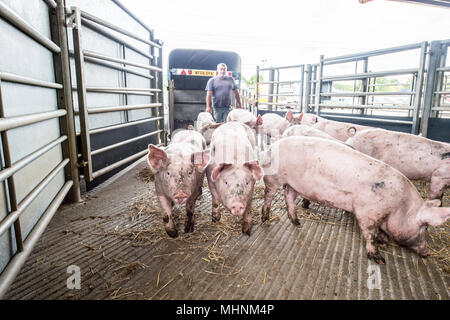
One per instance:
(339, 130)
(206, 125)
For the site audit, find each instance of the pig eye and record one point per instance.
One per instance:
(246, 182)
(226, 182)
(190, 172)
(168, 173)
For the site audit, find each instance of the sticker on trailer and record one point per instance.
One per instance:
(198, 73)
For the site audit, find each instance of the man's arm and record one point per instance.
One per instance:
(238, 99)
(208, 101)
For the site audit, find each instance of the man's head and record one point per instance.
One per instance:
(222, 69)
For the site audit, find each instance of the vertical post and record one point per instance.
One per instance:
(257, 89)
(302, 79)
(171, 107)
(125, 83)
(314, 90)
(418, 92)
(307, 89)
(440, 79)
(271, 80)
(82, 103)
(161, 94)
(411, 97)
(11, 186)
(153, 84)
(430, 86)
(364, 85)
(61, 63)
(278, 88)
(319, 85)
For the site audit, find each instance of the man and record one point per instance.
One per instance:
(218, 94)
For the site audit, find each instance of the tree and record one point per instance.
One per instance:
(252, 81)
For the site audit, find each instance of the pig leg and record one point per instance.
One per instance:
(247, 219)
(370, 230)
(269, 193)
(190, 205)
(289, 196)
(439, 181)
(166, 205)
(305, 203)
(215, 213)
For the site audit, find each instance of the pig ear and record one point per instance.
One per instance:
(433, 216)
(214, 125)
(259, 120)
(433, 203)
(156, 156)
(219, 169)
(256, 170)
(351, 131)
(201, 159)
(289, 116)
(190, 127)
(301, 116)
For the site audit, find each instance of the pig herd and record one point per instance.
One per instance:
(360, 169)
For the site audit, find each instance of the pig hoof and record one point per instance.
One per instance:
(189, 228)
(305, 203)
(264, 218)
(425, 253)
(295, 222)
(172, 232)
(377, 258)
(246, 228)
(215, 219)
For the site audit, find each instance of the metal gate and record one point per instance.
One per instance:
(57, 56)
(425, 105)
(119, 100)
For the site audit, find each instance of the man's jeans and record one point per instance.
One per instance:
(220, 114)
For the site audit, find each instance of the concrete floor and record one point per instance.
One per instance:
(116, 238)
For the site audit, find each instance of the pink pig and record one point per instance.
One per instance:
(308, 119)
(414, 156)
(339, 130)
(246, 117)
(233, 171)
(179, 175)
(274, 125)
(384, 202)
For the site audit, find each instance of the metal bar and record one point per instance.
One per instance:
(302, 79)
(7, 172)
(282, 67)
(319, 85)
(364, 84)
(116, 67)
(280, 104)
(139, 93)
(12, 197)
(257, 89)
(279, 82)
(13, 18)
(61, 64)
(110, 89)
(51, 4)
(113, 146)
(111, 36)
(123, 125)
(280, 95)
(132, 15)
(82, 103)
(441, 78)
(13, 268)
(418, 93)
(8, 123)
(171, 107)
(364, 106)
(10, 77)
(307, 88)
(379, 93)
(104, 23)
(93, 54)
(8, 221)
(441, 92)
(271, 82)
(376, 52)
(443, 69)
(430, 85)
(441, 108)
(122, 108)
(369, 75)
(118, 164)
(371, 119)
(348, 60)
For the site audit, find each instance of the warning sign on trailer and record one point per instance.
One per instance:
(194, 72)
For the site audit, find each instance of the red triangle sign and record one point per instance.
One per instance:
(183, 73)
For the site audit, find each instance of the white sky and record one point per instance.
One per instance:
(286, 32)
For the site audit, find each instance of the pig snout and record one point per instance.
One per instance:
(237, 209)
(180, 197)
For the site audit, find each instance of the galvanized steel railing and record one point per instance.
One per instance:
(80, 18)
(67, 141)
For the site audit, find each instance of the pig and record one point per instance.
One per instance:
(307, 131)
(339, 130)
(247, 118)
(414, 156)
(180, 170)
(274, 125)
(206, 125)
(233, 171)
(385, 203)
(308, 119)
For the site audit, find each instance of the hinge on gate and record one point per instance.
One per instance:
(71, 21)
(82, 164)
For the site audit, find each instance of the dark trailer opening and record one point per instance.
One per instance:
(189, 71)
